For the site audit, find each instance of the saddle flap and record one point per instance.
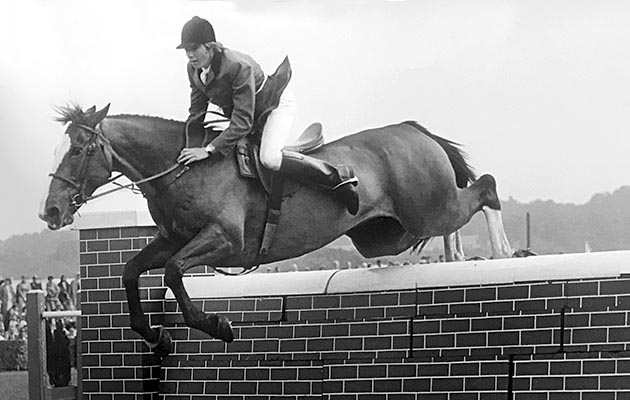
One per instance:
(310, 140)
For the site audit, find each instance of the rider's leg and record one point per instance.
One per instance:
(277, 131)
(276, 135)
(340, 179)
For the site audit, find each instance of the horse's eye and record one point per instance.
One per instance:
(75, 151)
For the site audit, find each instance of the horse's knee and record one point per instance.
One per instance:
(172, 275)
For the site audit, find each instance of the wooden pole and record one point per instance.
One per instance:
(528, 223)
(37, 375)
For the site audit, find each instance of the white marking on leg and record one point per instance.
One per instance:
(449, 248)
(498, 239)
(459, 246)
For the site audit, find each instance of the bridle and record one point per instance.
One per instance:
(98, 140)
(80, 182)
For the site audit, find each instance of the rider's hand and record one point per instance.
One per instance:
(192, 154)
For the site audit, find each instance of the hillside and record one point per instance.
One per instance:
(44, 253)
(603, 222)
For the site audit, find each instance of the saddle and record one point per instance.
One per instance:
(248, 149)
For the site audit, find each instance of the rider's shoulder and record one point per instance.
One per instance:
(236, 59)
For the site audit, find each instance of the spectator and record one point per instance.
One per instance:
(52, 295)
(72, 337)
(22, 288)
(64, 293)
(7, 297)
(75, 287)
(2, 327)
(336, 264)
(58, 355)
(23, 330)
(36, 284)
(13, 331)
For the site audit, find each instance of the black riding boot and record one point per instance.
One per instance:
(340, 180)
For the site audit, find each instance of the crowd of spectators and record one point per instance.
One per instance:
(60, 295)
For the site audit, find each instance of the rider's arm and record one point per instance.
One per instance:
(242, 119)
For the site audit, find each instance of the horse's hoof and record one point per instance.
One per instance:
(221, 328)
(164, 345)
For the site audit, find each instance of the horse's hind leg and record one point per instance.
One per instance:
(498, 239)
(154, 255)
(453, 247)
(207, 248)
(491, 206)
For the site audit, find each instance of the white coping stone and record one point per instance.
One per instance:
(468, 273)
(272, 284)
(108, 219)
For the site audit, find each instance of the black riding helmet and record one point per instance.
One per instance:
(196, 32)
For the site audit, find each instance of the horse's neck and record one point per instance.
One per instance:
(144, 147)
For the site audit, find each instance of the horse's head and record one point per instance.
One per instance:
(82, 164)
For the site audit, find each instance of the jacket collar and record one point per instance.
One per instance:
(215, 66)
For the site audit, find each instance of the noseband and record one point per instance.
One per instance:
(80, 184)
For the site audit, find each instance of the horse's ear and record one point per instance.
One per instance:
(90, 110)
(99, 115)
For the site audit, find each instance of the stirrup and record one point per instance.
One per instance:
(354, 181)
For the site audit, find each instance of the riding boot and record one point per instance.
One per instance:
(340, 179)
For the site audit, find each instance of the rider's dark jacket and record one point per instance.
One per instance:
(232, 83)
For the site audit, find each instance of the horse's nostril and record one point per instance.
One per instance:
(52, 214)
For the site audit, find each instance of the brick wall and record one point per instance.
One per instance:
(563, 340)
(549, 339)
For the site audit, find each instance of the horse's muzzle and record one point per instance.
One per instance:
(56, 219)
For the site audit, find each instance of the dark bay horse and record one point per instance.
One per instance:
(412, 187)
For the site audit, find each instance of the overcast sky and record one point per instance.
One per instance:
(537, 91)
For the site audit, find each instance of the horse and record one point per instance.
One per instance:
(413, 185)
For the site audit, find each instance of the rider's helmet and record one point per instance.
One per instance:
(195, 32)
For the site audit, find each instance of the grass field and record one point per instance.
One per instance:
(14, 385)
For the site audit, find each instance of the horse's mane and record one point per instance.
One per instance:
(151, 117)
(74, 113)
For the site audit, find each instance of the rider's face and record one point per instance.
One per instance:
(199, 57)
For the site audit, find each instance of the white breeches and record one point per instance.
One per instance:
(277, 132)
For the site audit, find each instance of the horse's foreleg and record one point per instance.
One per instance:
(498, 239)
(208, 247)
(154, 255)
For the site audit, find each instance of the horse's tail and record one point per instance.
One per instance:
(464, 173)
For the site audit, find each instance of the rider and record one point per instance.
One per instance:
(236, 83)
